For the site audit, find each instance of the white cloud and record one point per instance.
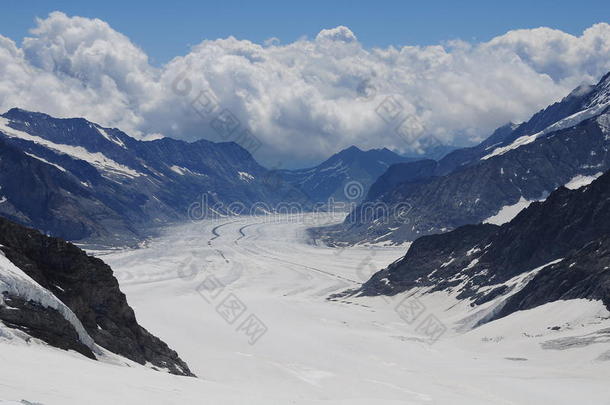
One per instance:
(303, 100)
(337, 34)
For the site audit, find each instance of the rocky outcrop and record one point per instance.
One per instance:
(40, 322)
(86, 285)
(583, 274)
(563, 243)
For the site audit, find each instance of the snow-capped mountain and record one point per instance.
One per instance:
(331, 178)
(558, 249)
(560, 145)
(52, 291)
(77, 180)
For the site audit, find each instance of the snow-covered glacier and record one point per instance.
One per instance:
(305, 348)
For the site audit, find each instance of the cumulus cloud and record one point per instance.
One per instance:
(303, 100)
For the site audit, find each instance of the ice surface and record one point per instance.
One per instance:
(351, 351)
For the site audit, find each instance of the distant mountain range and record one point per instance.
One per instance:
(77, 180)
(563, 144)
(74, 179)
(344, 177)
(558, 249)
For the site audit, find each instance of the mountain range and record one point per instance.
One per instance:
(344, 177)
(563, 144)
(77, 180)
(558, 249)
(74, 179)
(517, 222)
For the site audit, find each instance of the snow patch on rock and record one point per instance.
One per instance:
(96, 159)
(46, 162)
(15, 282)
(244, 176)
(581, 181)
(567, 122)
(508, 212)
(111, 138)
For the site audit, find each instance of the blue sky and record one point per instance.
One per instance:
(108, 62)
(165, 29)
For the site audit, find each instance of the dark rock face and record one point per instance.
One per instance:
(571, 228)
(87, 286)
(584, 274)
(76, 180)
(431, 261)
(45, 197)
(412, 172)
(468, 186)
(43, 323)
(329, 178)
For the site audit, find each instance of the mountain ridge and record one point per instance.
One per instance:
(351, 166)
(473, 184)
(114, 188)
(563, 243)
